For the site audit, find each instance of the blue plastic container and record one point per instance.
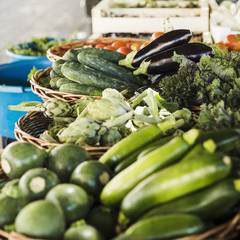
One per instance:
(14, 89)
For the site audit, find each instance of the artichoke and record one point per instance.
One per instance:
(82, 131)
(52, 108)
(80, 105)
(56, 108)
(111, 137)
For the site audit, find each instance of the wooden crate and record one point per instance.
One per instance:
(106, 18)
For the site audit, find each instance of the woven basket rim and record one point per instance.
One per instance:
(53, 54)
(46, 93)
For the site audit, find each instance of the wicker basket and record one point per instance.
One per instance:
(30, 126)
(46, 92)
(57, 52)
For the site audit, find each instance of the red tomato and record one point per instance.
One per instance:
(136, 46)
(223, 47)
(124, 50)
(144, 45)
(109, 47)
(233, 42)
(156, 35)
(118, 44)
(100, 45)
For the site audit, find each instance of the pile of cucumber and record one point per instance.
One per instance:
(88, 71)
(147, 186)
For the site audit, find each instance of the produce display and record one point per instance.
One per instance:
(171, 122)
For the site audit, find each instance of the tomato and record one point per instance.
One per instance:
(136, 46)
(223, 47)
(118, 44)
(109, 47)
(156, 35)
(144, 45)
(124, 50)
(100, 45)
(233, 42)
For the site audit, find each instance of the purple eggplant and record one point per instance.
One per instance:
(156, 78)
(163, 61)
(168, 40)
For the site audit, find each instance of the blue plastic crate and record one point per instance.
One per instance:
(14, 89)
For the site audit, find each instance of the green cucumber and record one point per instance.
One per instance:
(85, 232)
(132, 143)
(63, 159)
(53, 74)
(88, 76)
(169, 226)
(36, 182)
(57, 66)
(209, 203)
(140, 153)
(104, 219)
(175, 181)
(41, 219)
(100, 53)
(71, 54)
(91, 176)
(102, 65)
(18, 157)
(73, 200)
(125, 181)
(63, 81)
(9, 208)
(53, 82)
(80, 89)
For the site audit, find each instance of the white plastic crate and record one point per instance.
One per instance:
(107, 18)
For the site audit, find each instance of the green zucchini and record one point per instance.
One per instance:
(125, 181)
(80, 89)
(132, 143)
(73, 200)
(88, 76)
(85, 232)
(9, 208)
(53, 82)
(169, 226)
(62, 81)
(63, 159)
(175, 181)
(71, 54)
(104, 219)
(53, 74)
(100, 53)
(18, 157)
(112, 69)
(225, 139)
(36, 182)
(57, 66)
(91, 176)
(140, 153)
(41, 219)
(209, 203)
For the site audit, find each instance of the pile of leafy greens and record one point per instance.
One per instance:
(213, 84)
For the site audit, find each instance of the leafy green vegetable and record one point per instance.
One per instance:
(211, 80)
(36, 47)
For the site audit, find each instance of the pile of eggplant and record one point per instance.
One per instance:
(155, 60)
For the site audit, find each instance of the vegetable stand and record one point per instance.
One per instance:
(165, 148)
